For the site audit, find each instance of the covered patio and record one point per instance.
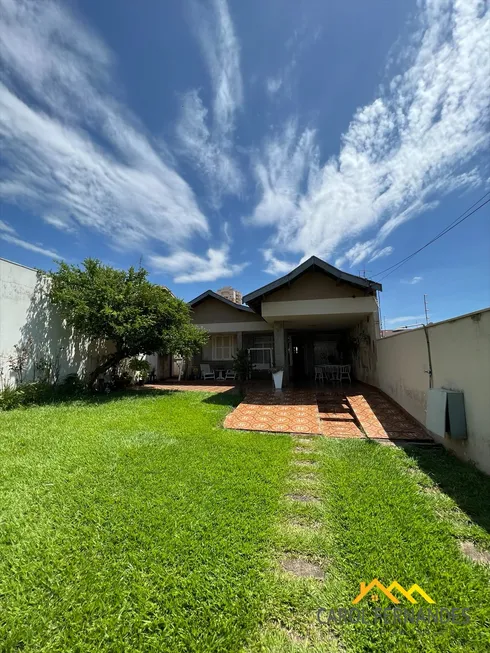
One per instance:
(316, 313)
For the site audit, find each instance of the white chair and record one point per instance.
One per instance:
(207, 372)
(230, 375)
(319, 373)
(344, 373)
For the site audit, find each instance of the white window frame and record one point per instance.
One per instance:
(263, 347)
(223, 347)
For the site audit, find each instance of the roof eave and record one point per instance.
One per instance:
(214, 295)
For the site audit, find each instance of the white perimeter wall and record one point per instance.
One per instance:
(460, 350)
(26, 314)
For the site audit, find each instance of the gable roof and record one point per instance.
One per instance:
(312, 262)
(214, 295)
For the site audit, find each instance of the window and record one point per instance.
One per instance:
(261, 352)
(223, 348)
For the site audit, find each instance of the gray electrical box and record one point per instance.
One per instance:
(445, 413)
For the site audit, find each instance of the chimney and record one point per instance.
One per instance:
(231, 294)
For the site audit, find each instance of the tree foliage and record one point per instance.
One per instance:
(102, 303)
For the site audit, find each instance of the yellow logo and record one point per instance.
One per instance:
(365, 589)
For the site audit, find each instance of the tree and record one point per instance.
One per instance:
(101, 303)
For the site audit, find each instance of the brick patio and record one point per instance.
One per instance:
(349, 412)
(286, 411)
(195, 386)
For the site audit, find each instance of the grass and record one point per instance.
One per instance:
(377, 520)
(136, 523)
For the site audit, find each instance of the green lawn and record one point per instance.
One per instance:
(135, 523)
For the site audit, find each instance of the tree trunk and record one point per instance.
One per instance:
(113, 359)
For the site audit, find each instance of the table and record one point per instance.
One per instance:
(332, 372)
(220, 376)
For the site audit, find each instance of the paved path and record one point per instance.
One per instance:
(191, 387)
(286, 411)
(350, 412)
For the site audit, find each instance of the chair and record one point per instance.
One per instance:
(327, 372)
(319, 373)
(207, 372)
(334, 373)
(344, 373)
(230, 375)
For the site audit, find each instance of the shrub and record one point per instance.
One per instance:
(242, 365)
(10, 397)
(72, 385)
(41, 392)
(140, 368)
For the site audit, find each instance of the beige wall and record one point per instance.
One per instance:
(212, 311)
(350, 307)
(364, 356)
(314, 285)
(460, 351)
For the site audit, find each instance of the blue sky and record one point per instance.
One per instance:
(222, 143)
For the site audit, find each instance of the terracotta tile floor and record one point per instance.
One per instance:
(336, 418)
(190, 387)
(289, 411)
(333, 412)
(381, 419)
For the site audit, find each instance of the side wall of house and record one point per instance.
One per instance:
(26, 317)
(460, 354)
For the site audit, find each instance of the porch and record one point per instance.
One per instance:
(221, 348)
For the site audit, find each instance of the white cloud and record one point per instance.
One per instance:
(412, 281)
(210, 153)
(6, 228)
(405, 320)
(128, 191)
(64, 223)
(408, 144)
(275, 266)
(39, 249)
(381, 253)
(273, 84)
(207, 140)
(186, 267)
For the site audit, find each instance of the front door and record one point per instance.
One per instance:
(299, 359)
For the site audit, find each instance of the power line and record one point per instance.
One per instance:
(451, 226)
(457, 221)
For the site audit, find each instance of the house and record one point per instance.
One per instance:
(313, 315)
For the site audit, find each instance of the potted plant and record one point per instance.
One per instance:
(277, 376)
